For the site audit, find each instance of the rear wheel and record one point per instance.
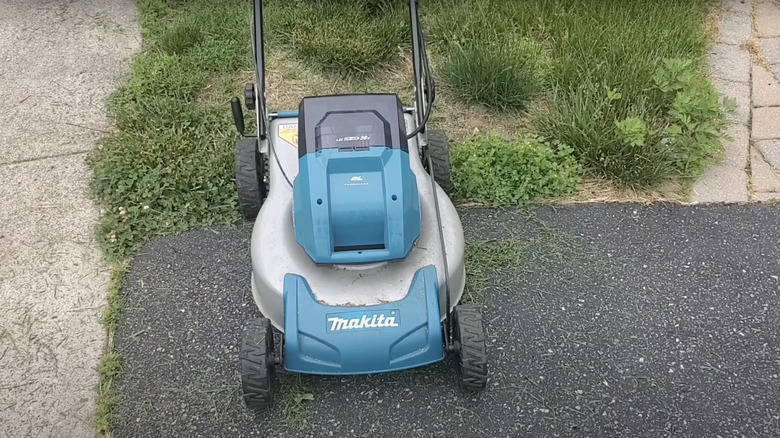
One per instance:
(439, 151)
(250, 169)
(257, 363)
(472, 351)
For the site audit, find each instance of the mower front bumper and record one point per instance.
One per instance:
(322, 339)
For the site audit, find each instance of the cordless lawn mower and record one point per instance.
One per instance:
(357, 250)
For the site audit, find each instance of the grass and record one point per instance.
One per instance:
(579, 72)
(347, 37)
(596, 50)
(487, 59)
(485, 258)
(168, 168)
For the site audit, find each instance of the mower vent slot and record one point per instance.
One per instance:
(358, 247)
(354, 148)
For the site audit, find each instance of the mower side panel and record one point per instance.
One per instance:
(321, 339)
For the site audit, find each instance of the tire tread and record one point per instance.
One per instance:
(249, 169)
(472, 366)
(439, 151)
(256, 358)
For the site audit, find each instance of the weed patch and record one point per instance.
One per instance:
(108, 399)
(673, 131)
(168, 168)
(297, 393)
(492, 169)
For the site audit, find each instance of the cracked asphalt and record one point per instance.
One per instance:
(625, 320)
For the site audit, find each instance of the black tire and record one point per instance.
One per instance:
(472, 352)
(249, 167)
(439, 151)
(257, 363)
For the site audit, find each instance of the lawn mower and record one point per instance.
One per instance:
(357, 250)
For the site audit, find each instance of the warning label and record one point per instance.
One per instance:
(289, 133)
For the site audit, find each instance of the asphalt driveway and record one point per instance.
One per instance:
(627, 320)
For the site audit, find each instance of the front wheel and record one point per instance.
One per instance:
(257, 363)
(472, 349)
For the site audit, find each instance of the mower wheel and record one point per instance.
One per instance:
(439, 151)
(257, 363)
(472, 360)
(249, 167)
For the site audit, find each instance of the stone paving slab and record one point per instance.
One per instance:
(726, 181)
(770, 150)
(767, 14)
(766, 87)
(740, 92)
(721, 184)
(766, 123)
(770, 49)
(741, 6)
(734, 28)
(766, 197)
(736, 149)
(764, 178)
(730, 63)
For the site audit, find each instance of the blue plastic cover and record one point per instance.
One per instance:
(322, 339)
(359, 206)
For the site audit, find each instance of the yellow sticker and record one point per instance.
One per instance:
(289, 133)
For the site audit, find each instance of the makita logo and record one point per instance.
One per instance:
(377, 320)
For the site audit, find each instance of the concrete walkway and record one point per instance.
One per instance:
(745, 64)
(58, 62)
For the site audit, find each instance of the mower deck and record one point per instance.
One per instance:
(275, 252)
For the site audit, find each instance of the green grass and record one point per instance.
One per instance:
(486, 58)
(504, 74)
(596, 50)
(562, 61)
(108, 398)
(345, 37)
(169, 166)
